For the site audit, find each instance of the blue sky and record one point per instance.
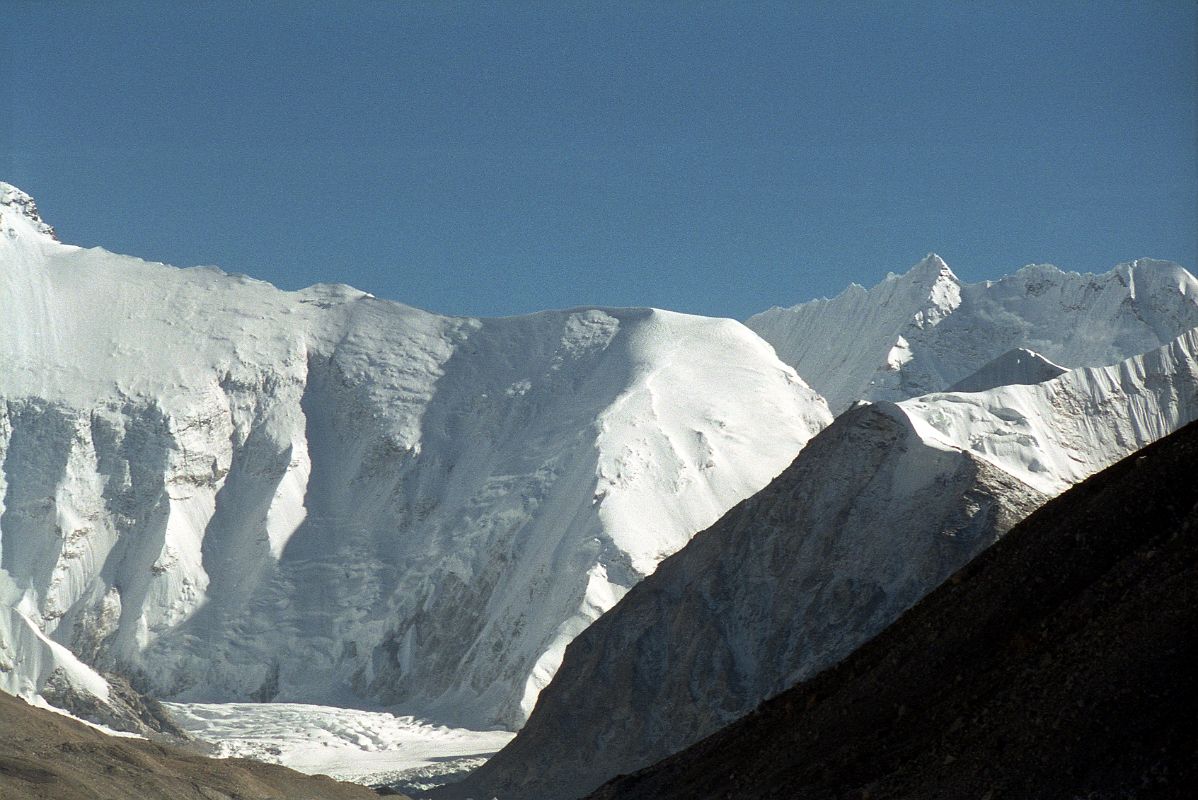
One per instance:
(498, 158)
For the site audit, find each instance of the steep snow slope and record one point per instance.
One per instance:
(924, 331)
(880, 508)
(232, 492)
(28, 658)
(1054, 434)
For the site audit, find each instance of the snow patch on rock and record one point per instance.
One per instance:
(17, 210)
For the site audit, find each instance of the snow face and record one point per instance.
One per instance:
(926, 330)
(879, 509)
(233, 492)
(28, 658)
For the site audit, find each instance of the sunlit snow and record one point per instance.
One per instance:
(926, 330)
(244, 493)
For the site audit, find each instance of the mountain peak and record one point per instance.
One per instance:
(943, 290)
(932, 268)
(14, 202)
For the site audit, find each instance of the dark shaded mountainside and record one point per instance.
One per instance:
(1062, 662)
(47, 756)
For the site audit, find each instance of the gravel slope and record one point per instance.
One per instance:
(49, 756)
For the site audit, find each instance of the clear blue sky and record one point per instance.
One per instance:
(497, 158)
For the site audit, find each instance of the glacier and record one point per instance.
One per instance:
(225, 491)
(879, 509)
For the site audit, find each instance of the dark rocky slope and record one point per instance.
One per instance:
(864, 523)
(1060, 663)
(47, 756)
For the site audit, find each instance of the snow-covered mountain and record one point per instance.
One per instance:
(227, 491)
(926, 330)
(1018, 366)
(879, 509)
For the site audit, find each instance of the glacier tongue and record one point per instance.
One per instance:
(229, 492)
(877, 510)
(926, 330)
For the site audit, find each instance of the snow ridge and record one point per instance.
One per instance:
(926, 330)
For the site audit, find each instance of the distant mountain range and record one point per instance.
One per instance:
(926, 330)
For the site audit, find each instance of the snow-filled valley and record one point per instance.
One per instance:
(357, 538)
